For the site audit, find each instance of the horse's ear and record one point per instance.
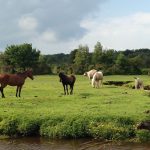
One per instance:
(30, 69)
(58, 70)
(85, 74)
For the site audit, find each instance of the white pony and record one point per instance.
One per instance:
(90, 74)
(138, 83)
(97, 79)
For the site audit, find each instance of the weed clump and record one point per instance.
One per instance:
(143, 135)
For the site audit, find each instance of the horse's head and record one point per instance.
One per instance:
(60, 76)
(85, 74)
(30, 74)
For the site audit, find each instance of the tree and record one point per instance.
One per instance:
(21, 56)
(42, 67)
(122, 64)
(135, 65)
(96, 57)
(82, 55)
(1, 61)
(82, 59)
(72, 55)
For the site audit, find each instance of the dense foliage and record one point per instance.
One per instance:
(19, 57)
(79, 60)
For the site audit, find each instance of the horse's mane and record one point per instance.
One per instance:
(61, 74)
(21, 73)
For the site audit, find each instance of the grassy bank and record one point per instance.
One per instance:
(110, 112)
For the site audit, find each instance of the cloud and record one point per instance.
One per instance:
(23, 21)
(55, 26)
(120, 33)
(28, 23)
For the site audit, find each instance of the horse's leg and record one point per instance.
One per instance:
(2, 91)
(102, 83)
(98, 83)
(17, 91)
(64, 89)
(20, 90)
(67, 89)
(71, 89)
(92, 83)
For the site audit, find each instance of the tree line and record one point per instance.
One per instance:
(20, 57)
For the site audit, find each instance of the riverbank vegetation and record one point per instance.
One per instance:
(111, 112)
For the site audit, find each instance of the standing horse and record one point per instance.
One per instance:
(14, 80)
(97, 79)
(67, 80)
(138, 83)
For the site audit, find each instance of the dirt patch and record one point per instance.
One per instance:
(144, 125)
(117, 83)
(121, 83)
(147, 112)
(147, 87)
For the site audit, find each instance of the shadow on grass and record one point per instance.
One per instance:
(85, 95)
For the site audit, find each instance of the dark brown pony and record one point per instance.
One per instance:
(67, 80)
(14, 80)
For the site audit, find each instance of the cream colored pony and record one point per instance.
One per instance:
(138, 83)
(97, 79)
(90, 74)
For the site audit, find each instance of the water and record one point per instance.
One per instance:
(82, 144)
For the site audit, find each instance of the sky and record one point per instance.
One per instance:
(59, 26)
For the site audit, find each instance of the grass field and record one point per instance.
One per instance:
(110, 112)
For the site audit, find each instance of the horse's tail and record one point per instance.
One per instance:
(74, 78)
(4, 78)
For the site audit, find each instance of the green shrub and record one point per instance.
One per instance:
(50, 126)
(69, 128)
(9, 126)
(123, 121)
(29, 127)
(145, 71)
(110, 131)
(143, 135)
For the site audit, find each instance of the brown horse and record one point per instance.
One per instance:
(67, 80)
(14, 80)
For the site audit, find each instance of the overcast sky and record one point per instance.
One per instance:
(59, 26)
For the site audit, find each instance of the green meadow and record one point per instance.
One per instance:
(110, 112)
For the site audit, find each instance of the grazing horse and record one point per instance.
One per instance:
(67, 80)
(17, 79)
(90, 74)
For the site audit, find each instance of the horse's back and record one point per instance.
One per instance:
(98, 75)
(73, 78)
(11, 79)
(15, 80)
(4, 78)
(91, 73)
